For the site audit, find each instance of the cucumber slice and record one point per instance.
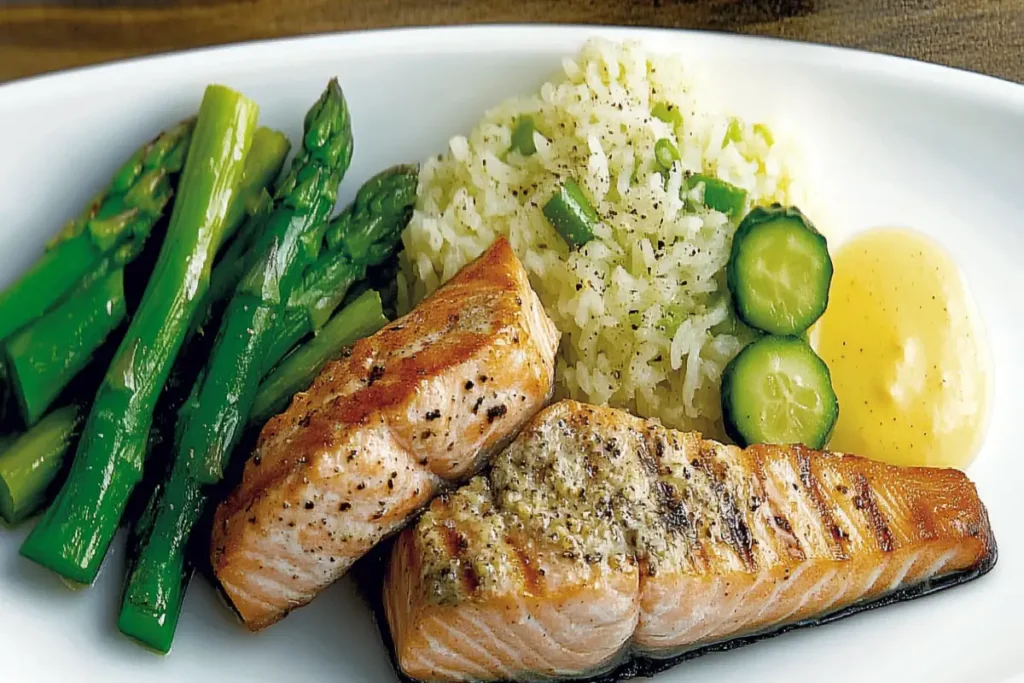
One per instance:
(779, 270)
(777, 390)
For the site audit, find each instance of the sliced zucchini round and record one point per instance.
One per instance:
(777, 390)
(779, 270)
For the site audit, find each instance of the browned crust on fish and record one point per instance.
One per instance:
(421, 403)
(723, 544)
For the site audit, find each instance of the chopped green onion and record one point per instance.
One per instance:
(665, 153)
(764, 132)
(522, 136)
(669, 113)
(571, 214)
(734, 133)
(719, 195)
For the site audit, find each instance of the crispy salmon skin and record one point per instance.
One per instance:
(598, 537)
(403, 413)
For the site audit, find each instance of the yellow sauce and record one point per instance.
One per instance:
(907, 352)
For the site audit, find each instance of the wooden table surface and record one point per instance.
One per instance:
(45, 35)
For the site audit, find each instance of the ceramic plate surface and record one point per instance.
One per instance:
(888, 142)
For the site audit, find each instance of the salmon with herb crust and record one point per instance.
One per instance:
(600, 544)
(412, 409)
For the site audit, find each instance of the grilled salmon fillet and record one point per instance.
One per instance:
(598, 537)
(417, 406)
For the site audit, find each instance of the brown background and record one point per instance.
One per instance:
(40, 35)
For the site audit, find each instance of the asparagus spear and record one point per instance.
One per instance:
(74, 534)
(160, 567)
(159, 571)
(231, 266)
(29, 466)
(229, 269)
(361, 318)
(289, 243)
(38, 488)
(31, 470)
(43, 357)
(362, 236)
(263, 164)
(126, 211)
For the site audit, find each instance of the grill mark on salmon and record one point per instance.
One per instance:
(810, 483)
(785, 540)
(531, 576)
(677, 517)
(865, 501)
(577, 495)
(384, 429)
(736, 531)
(456, 545)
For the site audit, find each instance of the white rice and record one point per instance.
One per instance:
(645, 315)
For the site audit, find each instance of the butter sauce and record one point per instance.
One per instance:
(907, 352)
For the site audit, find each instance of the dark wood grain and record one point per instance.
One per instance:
(981, 35)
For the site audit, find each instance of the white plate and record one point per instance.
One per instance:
(889, 141)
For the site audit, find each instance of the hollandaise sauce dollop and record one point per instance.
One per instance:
(907, 352)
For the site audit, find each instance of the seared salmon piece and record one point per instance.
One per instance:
(418, 406)
(598, 538)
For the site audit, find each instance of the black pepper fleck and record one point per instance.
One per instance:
(376, 372)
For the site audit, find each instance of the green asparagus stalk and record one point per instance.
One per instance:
(74, 534)
(127, 211)
(289, 243)
(159, 559)
(39, 488)
(363, 236)
(263, 164)
(231, 266)
(49, 465)
(43, 357)
(361, 318)
(29, 466)
(160, 573)
(160, 568)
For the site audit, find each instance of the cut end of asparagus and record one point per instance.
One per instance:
(151, 629)
(12, 510)
(41, 549)
(30, 465)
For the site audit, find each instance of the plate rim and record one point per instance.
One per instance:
(504, 36)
